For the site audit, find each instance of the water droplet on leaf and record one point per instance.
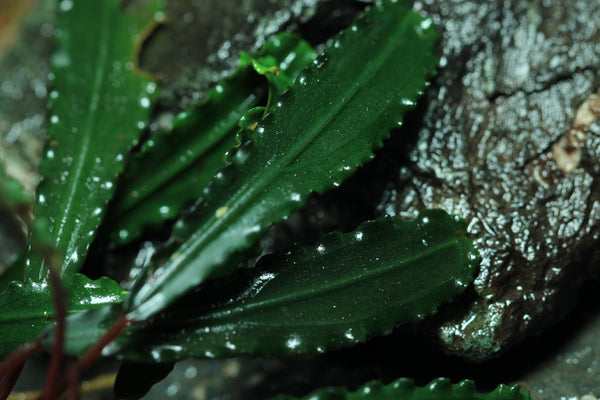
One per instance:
(145, 102)
(293, 342)
(66, 5)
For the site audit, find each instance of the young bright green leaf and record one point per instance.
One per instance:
(98, 106)
(27, 308)
(341, 291)
(405, 389)
(279, 67)
(315, 135)
(175, 166)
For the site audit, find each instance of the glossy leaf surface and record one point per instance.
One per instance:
(315, 135)
(288, 61)
(27, 308)
(405, 389)
(175, 166)
(98, 105)
(341, 291)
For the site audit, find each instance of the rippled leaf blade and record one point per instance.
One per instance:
(27, 308)
(315, 135)
(98, 105)
(406, 389)
(339, 292)
(176, 165)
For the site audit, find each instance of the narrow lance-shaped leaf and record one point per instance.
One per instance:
(183, 190)
(315, 135)
(175, 166)
(341, 291)
(27, 308)
(98, 106)
(406, 389)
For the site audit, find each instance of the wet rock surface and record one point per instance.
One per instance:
(512, 77)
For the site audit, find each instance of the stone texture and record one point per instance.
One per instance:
(511, 77)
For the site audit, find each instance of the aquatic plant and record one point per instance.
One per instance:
(285, 125)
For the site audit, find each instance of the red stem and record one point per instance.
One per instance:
(91, 355)
(7, 383)
(11, 366)
(60, 305)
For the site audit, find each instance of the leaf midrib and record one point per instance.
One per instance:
(242, 197)
(75, 181)
(330, 287)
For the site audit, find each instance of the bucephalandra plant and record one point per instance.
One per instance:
(285, 125)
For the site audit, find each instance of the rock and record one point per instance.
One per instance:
(509, 143)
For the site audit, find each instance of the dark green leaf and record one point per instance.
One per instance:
(405, 389)
(98, 105)
(341, 291)
(175, 166)
(27, 308)
(315, 135)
